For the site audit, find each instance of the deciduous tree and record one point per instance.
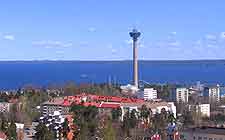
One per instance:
(109, 132)
(11, 131)
(43, 133)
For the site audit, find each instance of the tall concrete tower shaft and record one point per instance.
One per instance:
(135, 34)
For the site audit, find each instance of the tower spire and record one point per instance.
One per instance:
(135, 34)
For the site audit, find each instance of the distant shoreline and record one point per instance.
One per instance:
(194, 60)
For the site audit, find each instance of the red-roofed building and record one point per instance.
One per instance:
(107, 98)
(102, 102)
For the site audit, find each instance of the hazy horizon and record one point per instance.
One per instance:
(113, 60)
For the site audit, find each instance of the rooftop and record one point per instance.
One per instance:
(148, 104)
(55, 101)
(103, 101)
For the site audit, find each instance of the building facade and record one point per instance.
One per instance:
(203, 109)
(149, 94)
(49, 107)
(180, 95)
(213, 93)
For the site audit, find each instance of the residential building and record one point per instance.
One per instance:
(180, 95)
(56, 104)
(204, 109)
(149, 94)
(203, 133)
(104, 103)
(213, 93)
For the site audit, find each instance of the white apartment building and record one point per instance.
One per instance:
(182, 95)
(57, 104)
(149, 94)
(214, 94)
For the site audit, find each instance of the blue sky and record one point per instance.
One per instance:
(98, 29)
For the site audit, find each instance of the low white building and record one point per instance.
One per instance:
(204, 109)
(19, 125)
(149, 94)
(129, 89)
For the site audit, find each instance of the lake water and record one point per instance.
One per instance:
(15, 74)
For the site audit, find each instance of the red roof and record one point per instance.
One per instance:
(91, 104)
(112, 98)
(109, 105)
(94, 100)
(66, 103)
